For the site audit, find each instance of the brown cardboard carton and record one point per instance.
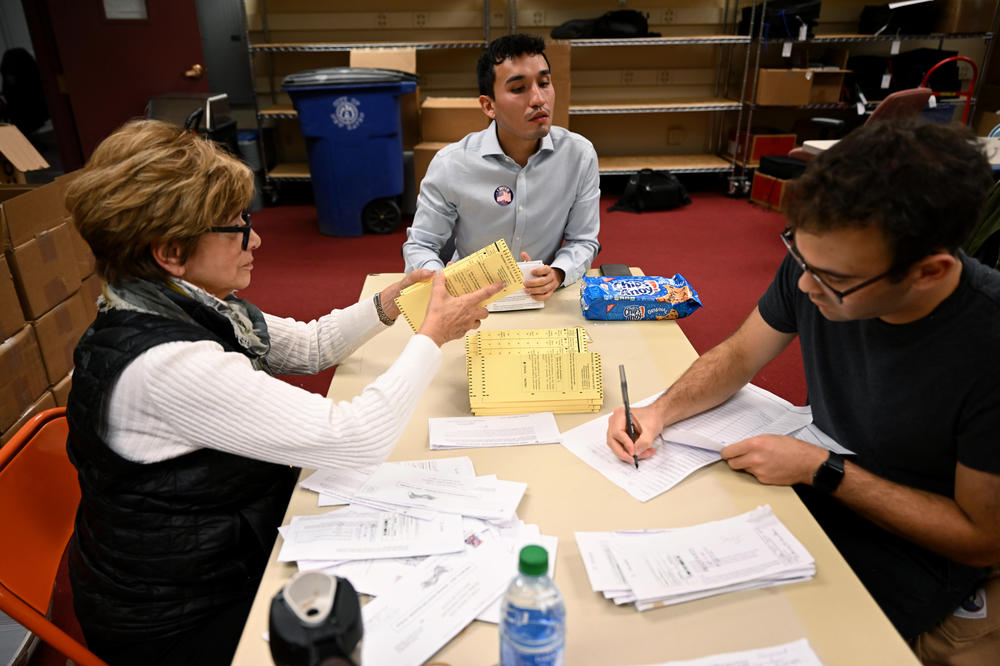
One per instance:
(559, 53)
(17, 155)
(45, 271)
(760, 144)
(36, 210)
(22, 375)
(964, 15)
(11, 315)
(58, 331)
(91, 288)
(827, 85)
(423, 153)
(60, 390)
(405, 60)
(449, 119)
(46, 401)
(784, 87)
(85, 262)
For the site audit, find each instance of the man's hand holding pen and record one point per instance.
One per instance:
(647, 424)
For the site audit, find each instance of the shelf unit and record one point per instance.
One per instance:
(285, 36)
(676, 112)
(743, 169)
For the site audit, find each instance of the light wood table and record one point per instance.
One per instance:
(833, 611)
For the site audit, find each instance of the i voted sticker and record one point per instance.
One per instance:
(503, 195)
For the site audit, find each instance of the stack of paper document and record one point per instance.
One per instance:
(476, 432)
(796, 653)
(435, 544)
(532, 370)
(691, 444)
(657, 568)
(493, 263)
(519, 300)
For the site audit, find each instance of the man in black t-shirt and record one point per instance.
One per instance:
(900, 337)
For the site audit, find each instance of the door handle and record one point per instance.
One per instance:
(195, 72)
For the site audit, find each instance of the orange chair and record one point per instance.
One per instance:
(39, 494)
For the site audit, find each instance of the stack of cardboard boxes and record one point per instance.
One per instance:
(48, 294)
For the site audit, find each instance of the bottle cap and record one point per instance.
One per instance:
(534, 561)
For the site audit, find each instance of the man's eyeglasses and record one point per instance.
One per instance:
(788, 238)
(238, 229)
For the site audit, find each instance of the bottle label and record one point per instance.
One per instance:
(531, 637)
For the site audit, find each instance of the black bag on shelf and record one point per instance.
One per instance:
(781, 166)
(651, 190)
(907, 20)
(621, 23)
(910, 67)
(782, 19)
(866, 72)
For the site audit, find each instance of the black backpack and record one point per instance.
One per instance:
(610, 25)
(652, 190)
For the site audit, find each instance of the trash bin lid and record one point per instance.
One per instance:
(345, 76)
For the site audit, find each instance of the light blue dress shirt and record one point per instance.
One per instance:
(549, 209)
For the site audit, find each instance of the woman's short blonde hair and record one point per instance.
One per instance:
(152, 181)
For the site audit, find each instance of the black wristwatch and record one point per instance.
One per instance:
(830, 473)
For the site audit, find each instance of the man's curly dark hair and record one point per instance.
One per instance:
(500, 49)
(922, 184)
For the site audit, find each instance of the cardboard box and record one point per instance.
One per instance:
(768, 191)
(559, 54)
(405, 60)
(423, 153)
(22, 375)
(761, 144)
(827, 85)
(17, 155)
(60, 390)
(91, 289)
(449, 119)
(784, 87)
(11, 315)
(58, 331)
(86, 264)
(45, 271)
(964, 15)
(46, 401)
(33, 211)
(10, 191)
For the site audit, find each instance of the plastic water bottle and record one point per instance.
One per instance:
(533, 616)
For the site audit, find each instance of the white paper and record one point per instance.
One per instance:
(338, 486)
(529, 535)
(519, 300)
(685, 563)
(464, 432)
(796, 653)
(427, 607)
(786, 49)
(478, 497)
(345, 535)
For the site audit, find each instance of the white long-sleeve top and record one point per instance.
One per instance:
(179, 397)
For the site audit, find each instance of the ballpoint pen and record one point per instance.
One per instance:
(629, 428)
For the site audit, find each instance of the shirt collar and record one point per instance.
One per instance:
(491, 144)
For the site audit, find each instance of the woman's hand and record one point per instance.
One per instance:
(450, 317)
(387, 297)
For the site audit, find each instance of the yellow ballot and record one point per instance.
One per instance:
(532, 370)
(493, 263)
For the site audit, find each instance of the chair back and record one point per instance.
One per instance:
(901, 105)
(39, 495)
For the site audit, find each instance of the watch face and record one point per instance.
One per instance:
(829, 474)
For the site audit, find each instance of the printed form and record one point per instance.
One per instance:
(467, 432)
(519, 300)
(796, 653)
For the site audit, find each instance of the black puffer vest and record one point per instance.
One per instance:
(160, 547)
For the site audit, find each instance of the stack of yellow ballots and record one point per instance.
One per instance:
(532, 370)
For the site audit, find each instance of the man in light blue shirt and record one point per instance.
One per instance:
(520, 179)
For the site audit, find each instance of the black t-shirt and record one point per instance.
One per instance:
(911, 400)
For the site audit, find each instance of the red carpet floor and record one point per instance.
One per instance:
(728, 249)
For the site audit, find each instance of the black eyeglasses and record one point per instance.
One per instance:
(788, 238)
(238, 229)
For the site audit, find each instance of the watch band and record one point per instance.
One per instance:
(830, 473)
(382, 316)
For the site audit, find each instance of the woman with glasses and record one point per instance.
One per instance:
(183, 439)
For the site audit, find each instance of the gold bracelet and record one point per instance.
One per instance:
(382, 316)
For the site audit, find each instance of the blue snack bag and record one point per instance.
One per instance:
(637, 297)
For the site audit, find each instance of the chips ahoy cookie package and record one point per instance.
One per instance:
(638, 297)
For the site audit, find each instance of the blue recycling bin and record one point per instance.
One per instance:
(350, 120)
